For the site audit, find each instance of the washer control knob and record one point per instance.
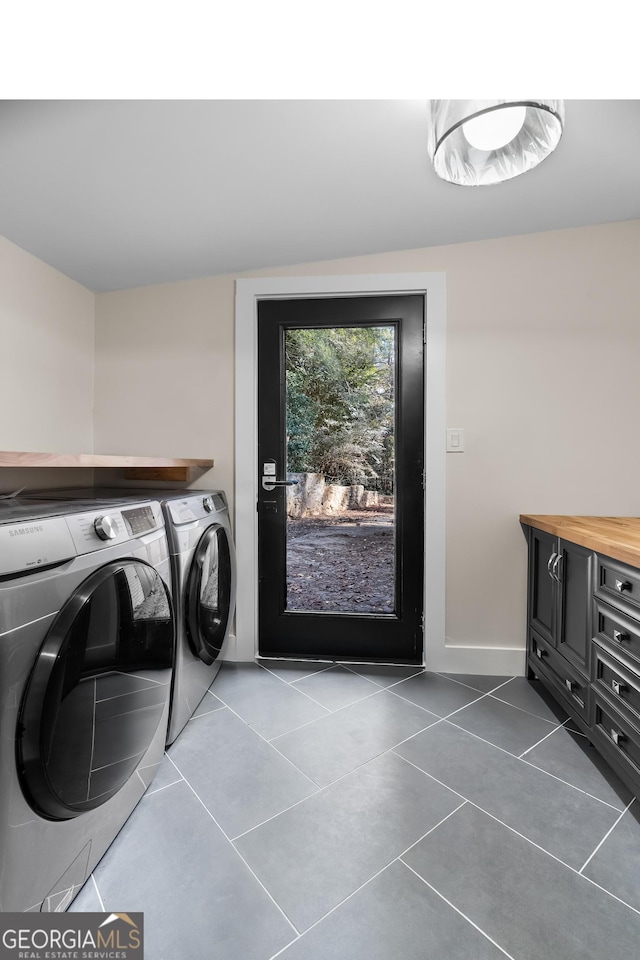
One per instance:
(106, 527)
(207, 503)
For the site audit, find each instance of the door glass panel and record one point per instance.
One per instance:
(209, 594)
(341, 433)
(99, 690)
(210, 578)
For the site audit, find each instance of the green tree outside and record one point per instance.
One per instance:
(341, 402)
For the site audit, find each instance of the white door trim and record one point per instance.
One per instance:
(248, 293)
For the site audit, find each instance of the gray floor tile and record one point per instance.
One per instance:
(477, 681)
(340, 742)
(382, 674)
(291, 670)
(166, 775)
(526, 901)
(148, 774)
(438, 694)
(569, 756)
(313, 856)
(208, 704)
(87, 900)
(336, 688)
(616, 865)
(532, 697)
(504, 725)
(173, 863)
(265, 702)
(395, 915)
(558, 817)
(240, 778)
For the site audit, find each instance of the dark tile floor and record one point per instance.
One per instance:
(316, 812)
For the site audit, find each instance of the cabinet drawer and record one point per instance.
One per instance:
(616, 630)
(616, 734)
(572, 688)
(618, 584)
(616, 680)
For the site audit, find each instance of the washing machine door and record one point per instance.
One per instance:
(98, 690)
(208, 594)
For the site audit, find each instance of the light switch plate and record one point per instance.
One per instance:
(455, 440)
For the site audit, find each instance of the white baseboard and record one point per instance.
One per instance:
(486, 661)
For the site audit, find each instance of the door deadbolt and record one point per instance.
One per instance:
(269, 481)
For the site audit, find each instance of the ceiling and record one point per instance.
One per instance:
(124, 193)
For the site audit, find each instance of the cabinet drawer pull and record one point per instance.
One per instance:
(569, 684)
(540, 653)
(552, 559)
(619, 636)
(618, 687)
(617, 737)
(622, 585)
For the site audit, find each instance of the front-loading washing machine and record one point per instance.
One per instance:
(87, 639)
(203, 573)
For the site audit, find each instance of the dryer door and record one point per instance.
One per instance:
(208, 594)
(98, 690)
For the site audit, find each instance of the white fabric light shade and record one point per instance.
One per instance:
(482, 142)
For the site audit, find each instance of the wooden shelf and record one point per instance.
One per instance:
(134, 468)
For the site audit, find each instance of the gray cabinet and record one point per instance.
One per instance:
(559, 615)
(569, 686)
(583, 643)
(573, 572)
(615, 689)
(543, 550)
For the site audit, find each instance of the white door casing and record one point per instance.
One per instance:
(248, 293)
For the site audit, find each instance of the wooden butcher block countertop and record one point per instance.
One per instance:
(616, 537)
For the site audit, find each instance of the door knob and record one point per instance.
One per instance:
(268, 483)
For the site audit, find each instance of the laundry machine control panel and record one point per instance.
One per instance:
(139, 520)
(110, 526)
(192, 508)
(106, 528)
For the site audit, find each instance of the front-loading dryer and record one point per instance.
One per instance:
(86, 652)
(204, 575)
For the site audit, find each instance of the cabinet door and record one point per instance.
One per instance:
(542, 589)
(575, 573)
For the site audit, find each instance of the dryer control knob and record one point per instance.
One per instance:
(106, 527)
(207, 503)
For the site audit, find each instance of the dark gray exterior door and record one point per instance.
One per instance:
(389, 629)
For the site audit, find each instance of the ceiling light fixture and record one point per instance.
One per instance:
(480, 142)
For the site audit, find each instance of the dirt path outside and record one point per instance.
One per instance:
(342, 563)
